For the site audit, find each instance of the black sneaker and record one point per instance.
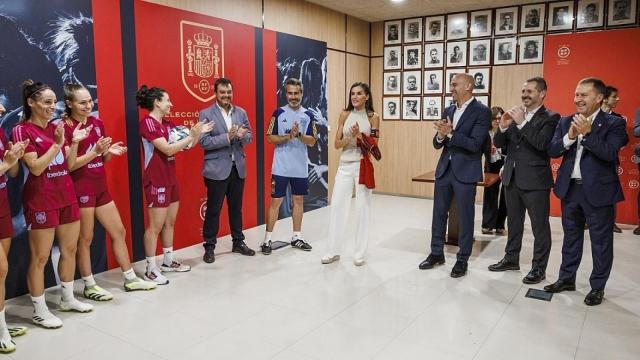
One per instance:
(300, 244)
(266, 248)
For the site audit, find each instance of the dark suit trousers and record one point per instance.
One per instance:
(231, 187)
(494, 207)
(536, 203)
(575, 211)
(465, 195)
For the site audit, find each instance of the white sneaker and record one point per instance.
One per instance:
(46, 320)
(175, 266)
(156, 276)
(75, 305)
(6, 343)
(139, 284)
(97, 293)
(328, 259)
(358, 262)
(15, 331)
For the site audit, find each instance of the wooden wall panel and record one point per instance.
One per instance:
(242, 11)
(506, 83)
(336, 91)
(357, 69)
(377, 38)
(357, 36)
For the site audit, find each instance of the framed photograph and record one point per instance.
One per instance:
(391, 108)
(412, 57)
(411, 107)
(481, 80)
(413, 30)
(531, 49)
(590, 14)
(533, 17)
(504, 51)
(622, 12)
(392, 32)
(560, 16)
(411, 83)
(449, 74)
(480, 23)
(434, 28)
(391, 83)
(484, 100)
(480, 52)
(392, 55)
(456, 53)
(506, 20)
(433, 82)
(448, 101)
(456, 26)
(434, 55)
(432, 108)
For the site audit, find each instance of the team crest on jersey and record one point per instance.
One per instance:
(41, 217)
(161, 198)
(98, 132)
(84, 199)
(202, 58)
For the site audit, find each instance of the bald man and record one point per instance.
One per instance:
(460, 134)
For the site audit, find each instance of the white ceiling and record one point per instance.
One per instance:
(378, 10)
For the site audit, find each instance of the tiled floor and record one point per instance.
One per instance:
(289, 306)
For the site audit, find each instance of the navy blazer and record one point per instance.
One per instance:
(465, 145)
(599, 160)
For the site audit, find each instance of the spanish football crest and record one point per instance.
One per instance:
(202, 58)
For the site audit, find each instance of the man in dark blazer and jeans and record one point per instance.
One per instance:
(224, 167)
(461, 135)
(588, 186)
(526, 133)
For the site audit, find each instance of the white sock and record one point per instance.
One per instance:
(88, 280)
(151, 263)
(267, 236)
(129, 274)
(168, 255)
(4, 331)
(67, 290)
(39, 304)
(297, 234)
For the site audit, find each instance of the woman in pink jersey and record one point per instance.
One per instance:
(9, 156)
(49, 201)
(159, 179)
(90, 181)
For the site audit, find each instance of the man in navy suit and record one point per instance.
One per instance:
(588, 186)
(460, 135)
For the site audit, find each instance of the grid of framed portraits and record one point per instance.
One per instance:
(422, 54)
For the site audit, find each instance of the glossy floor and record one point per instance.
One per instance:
(289, 306)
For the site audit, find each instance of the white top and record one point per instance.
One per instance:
(575, 174)
(227, 119)
(351, 152)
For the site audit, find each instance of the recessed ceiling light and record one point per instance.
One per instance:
(397, 1)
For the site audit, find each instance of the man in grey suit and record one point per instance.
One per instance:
(224, 167)
(526, 132)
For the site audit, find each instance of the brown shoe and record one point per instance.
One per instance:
(636, 231)
(616, 229)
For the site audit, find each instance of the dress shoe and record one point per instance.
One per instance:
(500, 232)
(560, 285)
(487, 231)
(243, 249)
(209, 256)
(431, 261)
(594, 297)
(328, 259)
(504, 265)
(459, 269)
(636, 231)
(534, 276)
(616, 229)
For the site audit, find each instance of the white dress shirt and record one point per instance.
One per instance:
(456, 117)
(528, 115)
(227, 119)
(575, 174)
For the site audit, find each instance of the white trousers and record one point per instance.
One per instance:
(346, 178)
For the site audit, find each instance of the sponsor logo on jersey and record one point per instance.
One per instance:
(202, 58)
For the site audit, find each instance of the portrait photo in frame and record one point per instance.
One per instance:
(481, 24)
(481, 80)
(411, 107)
(561, 16)
(449, 74)
(393, 32)
(484, 100)
(504, 51)
(506, 21)
(457, 26)
(392, 58)
(413, 30)
(432, 83)
(456, 53)
(434, 28)
(480, 52)
(411, 82)
(434, 55)
(622, 12)
(391, 108)
(432, 108)
(590, 14)
(412, 58)
(532, 18)
(531, 49)
(392, 82)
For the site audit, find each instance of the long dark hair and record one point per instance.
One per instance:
(69, 94)
(31, 90)
(145, 96)
(368, 105)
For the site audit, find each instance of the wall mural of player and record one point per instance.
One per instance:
(306, 60)
(53, 45)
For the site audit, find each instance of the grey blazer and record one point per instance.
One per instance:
(216, 145)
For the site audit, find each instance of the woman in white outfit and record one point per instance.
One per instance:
(357, 119)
